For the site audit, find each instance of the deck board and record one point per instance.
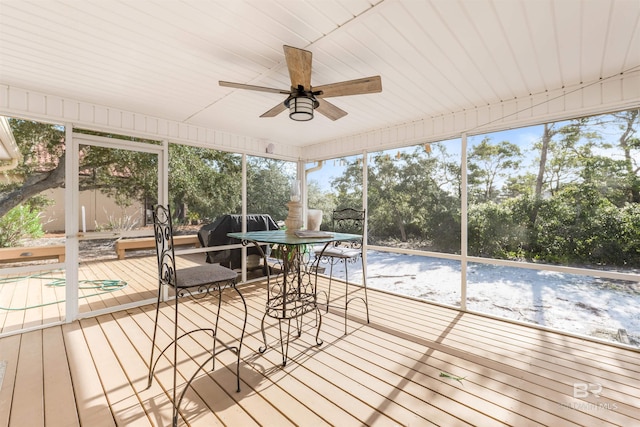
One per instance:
(91, 400)
(115, 383)
(59, 399)
(556, 370)
(9, 352)
(325, 410)
(385, 373)
(28, 410)
(534, 365)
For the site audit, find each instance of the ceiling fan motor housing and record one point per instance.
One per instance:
(301, 104)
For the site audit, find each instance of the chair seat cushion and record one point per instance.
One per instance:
(203, 275)
(338, 252)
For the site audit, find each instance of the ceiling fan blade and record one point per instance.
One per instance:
(351, 87)
(252, 87)
(329, 110)
(299, 65)
(275, 110)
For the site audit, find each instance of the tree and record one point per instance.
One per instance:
(123, 174)
(626, 123)
(563, 159)
(410, 196)
(547, 135)
(269, 186)
(33, 176)
(201, 180)
(318, 199)
(489, 163)
(433, 186)
(629, 141)
(204, 183)
(388, 193)
(348, 187)
(568, 152)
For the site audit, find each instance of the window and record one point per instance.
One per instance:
(414, 197)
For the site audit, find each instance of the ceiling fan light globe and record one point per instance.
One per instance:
(301, 108)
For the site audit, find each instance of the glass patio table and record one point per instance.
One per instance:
(293, 293)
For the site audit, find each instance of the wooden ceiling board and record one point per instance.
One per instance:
(468, 52)
(594, 20)
(617, 51)
(108, 58)
(544, 43)
(434, 57)
(494, 57)
(389, 59)
(304, 27)
(512, 17)
(568, 41)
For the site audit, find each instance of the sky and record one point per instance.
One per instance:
(524, 137)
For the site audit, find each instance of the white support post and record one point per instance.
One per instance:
(71, 224)
(163, 190)
(243, 251)
(463, 223)
(365, 200)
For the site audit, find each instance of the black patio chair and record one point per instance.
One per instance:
(194, 282)
(215, 234)
(346, 221)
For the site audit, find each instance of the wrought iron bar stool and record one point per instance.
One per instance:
(195, 282)
(347, 221)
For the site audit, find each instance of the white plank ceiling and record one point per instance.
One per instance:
(164, 58)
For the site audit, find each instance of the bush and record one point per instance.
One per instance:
(579, 226)
(496, 231)
(20, 223)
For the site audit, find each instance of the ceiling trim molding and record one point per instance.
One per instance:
(19, 102)
(613, 94)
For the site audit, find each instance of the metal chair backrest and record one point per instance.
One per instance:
(348, 220)
(163, 230)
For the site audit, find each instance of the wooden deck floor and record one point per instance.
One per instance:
(387, 373)
(31, 300)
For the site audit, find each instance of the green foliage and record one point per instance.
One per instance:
(444, 227)
(496, 230)
(487, 164)
(21, 222)
(317, 199)
(36, 139)
(122, 174)
(581, 226)
(577, 203)
(41, 166)
(348, 186)
(269, 186)
(125, 175)
(402, 204)
(587, 212)
(203, 182)
(413, 196)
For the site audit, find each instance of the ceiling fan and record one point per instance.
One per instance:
(303, 98)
